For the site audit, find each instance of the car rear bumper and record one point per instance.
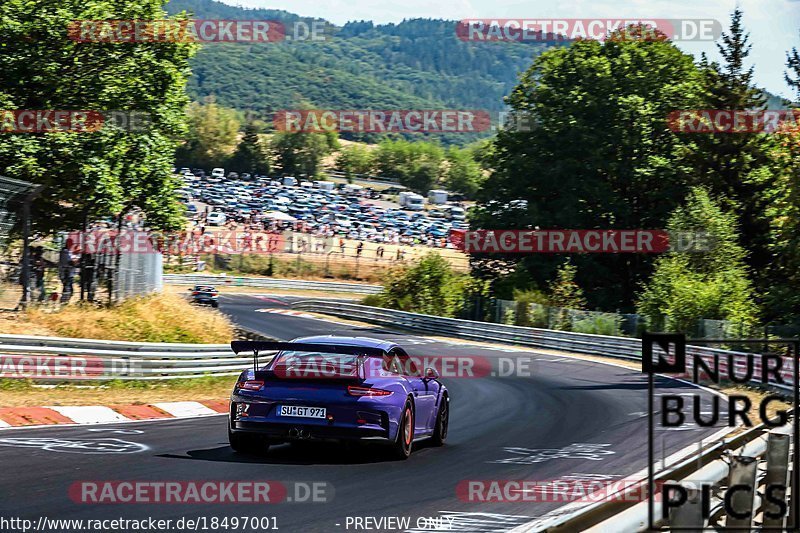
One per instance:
(298, 431)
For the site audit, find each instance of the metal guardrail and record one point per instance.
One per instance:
(272, 283)
(750, 443)
(66, 360)
(745, 452)
(615, 347)
(619, 347)
(99, 344)
(760, 459)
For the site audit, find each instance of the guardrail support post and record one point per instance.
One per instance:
(742, 473)
(688, 517)
(778, 445)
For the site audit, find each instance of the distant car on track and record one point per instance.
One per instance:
(336, 388)
(205, 294)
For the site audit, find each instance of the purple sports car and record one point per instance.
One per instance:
(336, 388)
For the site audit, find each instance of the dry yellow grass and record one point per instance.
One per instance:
(22, 394)
(157, 318)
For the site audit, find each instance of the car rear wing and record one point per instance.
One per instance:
(269, 346)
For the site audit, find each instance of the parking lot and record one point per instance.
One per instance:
(324, 209)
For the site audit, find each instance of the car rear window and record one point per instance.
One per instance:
(316, 364)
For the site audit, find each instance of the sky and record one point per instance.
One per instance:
(774, 25)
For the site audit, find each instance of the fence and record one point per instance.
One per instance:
(551, 317)
(346, 257)
(603, 323)
(61, 273)
(138, 273)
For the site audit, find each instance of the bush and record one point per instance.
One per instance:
(430, 287)
(372, 300)
(599, 324)
(713, 284)
(525, 310)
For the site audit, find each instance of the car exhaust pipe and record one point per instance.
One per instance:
(305, 434)
(294, 433)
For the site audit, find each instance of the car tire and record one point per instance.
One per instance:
(442, 423)
(403, 442)
(214, 304)
(246, 443)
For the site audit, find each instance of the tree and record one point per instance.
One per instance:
(689, 286)
(120, 167)
(302, 153)
(793, 74)
(430, 287)
(565, 294)
(354, 159)
(250, 155)
(564, 291)
(417, 165)
(601, 156)
(463, 174)
(213, 134)
(782, 296)
(734, 165)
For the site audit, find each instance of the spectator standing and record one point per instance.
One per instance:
(66, 271)
(38, 266)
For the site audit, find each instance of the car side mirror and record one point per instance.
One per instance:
(431, 373)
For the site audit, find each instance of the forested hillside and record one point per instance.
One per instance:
(415, 64)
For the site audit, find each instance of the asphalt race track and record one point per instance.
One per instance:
(568, 417)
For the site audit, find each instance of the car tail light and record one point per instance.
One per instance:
(250, 385)
(195, 293)
(366, 391)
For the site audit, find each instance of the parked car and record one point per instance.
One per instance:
(216, 218)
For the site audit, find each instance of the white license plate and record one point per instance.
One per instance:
(301, 412)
